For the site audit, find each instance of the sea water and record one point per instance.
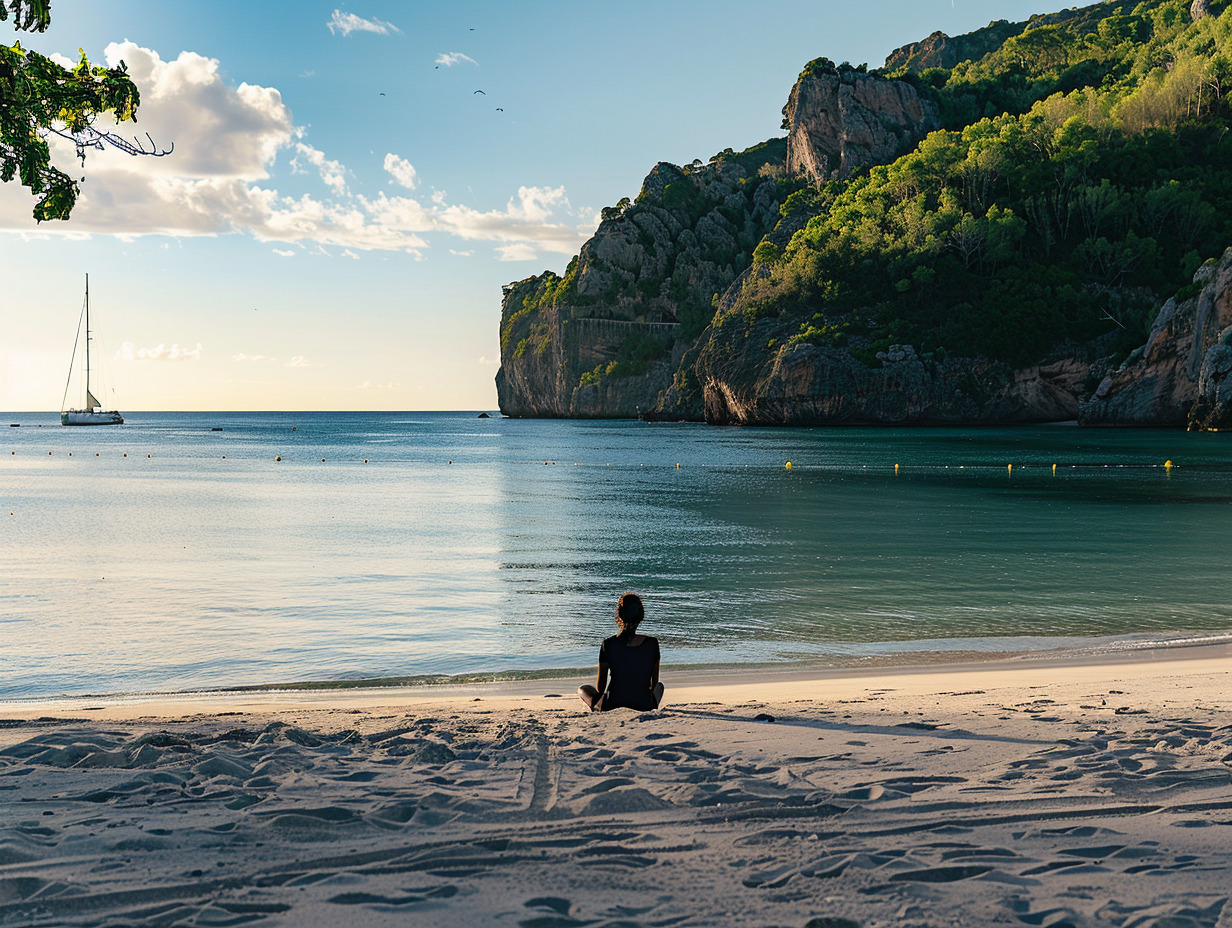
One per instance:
(194, 551)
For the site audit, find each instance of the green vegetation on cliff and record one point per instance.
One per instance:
(1081, 174)
(1084, 174)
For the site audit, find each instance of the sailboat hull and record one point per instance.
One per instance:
(85, 417)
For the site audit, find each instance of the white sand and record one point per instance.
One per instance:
(1016, 793)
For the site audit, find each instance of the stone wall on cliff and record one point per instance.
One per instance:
(1180, 377)
(841, 119)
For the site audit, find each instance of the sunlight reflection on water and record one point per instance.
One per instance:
(456, 548)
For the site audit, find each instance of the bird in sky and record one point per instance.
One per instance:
(480, 91)
(500, 109)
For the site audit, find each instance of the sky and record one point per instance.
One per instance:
(342, 204)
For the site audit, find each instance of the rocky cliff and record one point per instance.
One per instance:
(849, 274)
(613, 336)
(806, 384)
(842, 119)
(1182, 376)
(943, 51)
(605, 340)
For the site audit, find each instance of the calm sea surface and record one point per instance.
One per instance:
(163, 555)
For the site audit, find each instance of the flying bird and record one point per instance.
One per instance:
(382, 95)
(500, 109)
(480, 91)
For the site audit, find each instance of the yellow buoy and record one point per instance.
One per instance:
(1009, 468)
(896, 468)
(1054, 470)
(1168, 465)
(677, 465)
(789, 465)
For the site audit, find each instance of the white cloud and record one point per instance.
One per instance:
(229, 141)
(489, 362)
(347, 253)
(461, 254)
(523, 221)
(284, 252)
(401, 171)
(519, 251)
(128, 352)
(346, 23)
(298, 361)
(332, 172)
(449, 59)
(252, 357)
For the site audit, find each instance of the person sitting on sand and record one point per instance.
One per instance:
(631, 659)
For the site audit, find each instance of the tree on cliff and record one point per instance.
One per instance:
(39, 97)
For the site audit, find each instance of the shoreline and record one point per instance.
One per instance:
(685, 683)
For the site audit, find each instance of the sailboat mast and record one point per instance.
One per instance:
(88, 394)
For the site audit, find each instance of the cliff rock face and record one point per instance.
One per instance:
(846, 120)
(943, 51)
(616, 335)
(1181, 375)
(805, 384)
(606, 339)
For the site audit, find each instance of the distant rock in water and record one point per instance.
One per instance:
(484, 415)
(1182, 376)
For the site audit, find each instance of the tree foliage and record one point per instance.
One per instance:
(39, 97)
(1083, 174)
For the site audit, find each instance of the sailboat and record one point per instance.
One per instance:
(93, 412)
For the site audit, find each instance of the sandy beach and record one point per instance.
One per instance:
(1024, 792)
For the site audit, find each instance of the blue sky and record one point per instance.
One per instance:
(341, 209)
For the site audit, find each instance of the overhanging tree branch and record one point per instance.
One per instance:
(39, 98)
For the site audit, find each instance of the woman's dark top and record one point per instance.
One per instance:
(631, 669)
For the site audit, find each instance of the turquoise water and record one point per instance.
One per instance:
(468, 545)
